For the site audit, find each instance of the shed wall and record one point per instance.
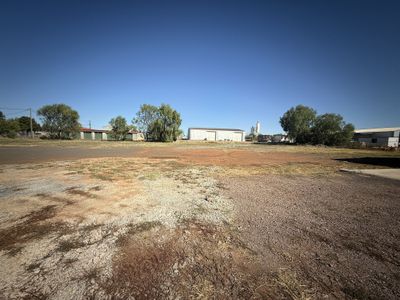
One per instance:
(216, 135)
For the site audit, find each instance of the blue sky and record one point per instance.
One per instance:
(219, 63)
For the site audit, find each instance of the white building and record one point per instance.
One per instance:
(216, 134)
(380, 137)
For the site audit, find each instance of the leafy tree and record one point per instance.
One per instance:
(25, 124)
(145, 117)
(119, 128)
(297, 122)
(9, 127)
(165, 128)
(2, 116)
(331, 130)
(60, 121)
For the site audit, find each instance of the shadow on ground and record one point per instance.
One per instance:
(392, 162)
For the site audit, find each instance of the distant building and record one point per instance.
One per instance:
(216, 134)
(264, 138)
(281, 138)
(379, 137)
(104, 135)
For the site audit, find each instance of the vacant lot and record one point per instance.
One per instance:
(150, 221)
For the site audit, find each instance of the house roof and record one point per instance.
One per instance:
(371, 130)
(222, 129)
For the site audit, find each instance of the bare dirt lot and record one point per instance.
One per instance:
(222, 221)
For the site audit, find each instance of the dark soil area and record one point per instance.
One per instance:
(338, 236)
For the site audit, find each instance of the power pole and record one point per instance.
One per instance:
(30, 117)
(90, 124)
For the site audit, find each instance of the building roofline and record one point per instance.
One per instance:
(222, 129)
(370, 130)
(83, 129)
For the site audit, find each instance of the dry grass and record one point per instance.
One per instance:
(331, 151)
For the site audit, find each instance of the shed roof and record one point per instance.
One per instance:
(83, 129)
(371, 130)
(221, 129)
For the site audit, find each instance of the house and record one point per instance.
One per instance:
(379, 137)
(216, 134)
(104, 135)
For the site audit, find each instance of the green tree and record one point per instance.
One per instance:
(145, 117)
(2, 116)
(166, 126)
(331, 130)
(60, 121)
(119, 128)
(297, 123)
(25, 124)
(9, 128)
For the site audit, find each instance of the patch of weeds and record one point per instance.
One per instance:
(200, 209)
(90, 274)
(96, 188)
(71, 173)
(35, 295)
(357, 293)
(77, 191)
(34, 226)
(103, 176)
(91, 227)
(68, 245)
(32, 266)
(152, 176)
(42, 214)
(18, 189)
(290, 286)
(70, 261)
(194, 260)
(142, 227)
(14, 250)
(48, 197)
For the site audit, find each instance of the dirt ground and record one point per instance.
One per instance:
(222, 221)
(338, 236)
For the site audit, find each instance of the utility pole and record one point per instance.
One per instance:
(30, 117)
(90, 124)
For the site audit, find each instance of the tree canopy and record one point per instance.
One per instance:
(60, 121)
(330, 130)
(25, 124)
(304, 126)
(9, 127)
(297, 122)
(159, 123)
(119, 128)
(145, 117)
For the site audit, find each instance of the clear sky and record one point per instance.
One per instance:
(219, 63)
